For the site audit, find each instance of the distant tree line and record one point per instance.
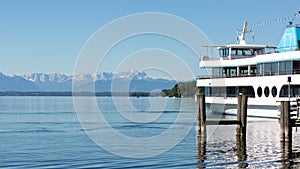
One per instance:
(182, 89)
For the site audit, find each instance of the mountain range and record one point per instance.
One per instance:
(132, 81)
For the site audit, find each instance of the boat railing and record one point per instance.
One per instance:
(233, 56)
(204, 77)
(296, 71)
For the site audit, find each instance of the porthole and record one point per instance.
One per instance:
(267, 91)
(259, 91)
(274, 91)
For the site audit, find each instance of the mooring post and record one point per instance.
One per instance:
(203, 113)
(285, 124)
(238, 116)
(244, 115)
(281, 121)
(201, 117)
(198, 113)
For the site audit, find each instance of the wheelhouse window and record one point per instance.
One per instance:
(224, 52)
(242, 52)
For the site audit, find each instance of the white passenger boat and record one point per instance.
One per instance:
(265, 73)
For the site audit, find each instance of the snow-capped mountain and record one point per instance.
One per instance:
(132, 81)
(44, 78)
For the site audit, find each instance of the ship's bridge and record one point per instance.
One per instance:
(237, 51)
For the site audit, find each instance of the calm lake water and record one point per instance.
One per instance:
(44, 132)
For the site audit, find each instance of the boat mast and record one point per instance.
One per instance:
(242, 36)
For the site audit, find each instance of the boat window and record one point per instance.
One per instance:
(258, 51)
(259, 91)
(296, 67)
(274, 68)
(247, 52)
(288, 67)
(267, 91)
(282, 68)
(295, 91)
(253, 70)
(233, 72)
(229, 71)
(243, 71)
(231, 91)
(274, 91)
(233, 51)
(224, 52)
(267, 69)
(207, 91)
(218, 91)
(216, 72)
(247, 90)
(260, 69)
(242, 52)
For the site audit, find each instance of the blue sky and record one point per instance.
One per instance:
(47, 36)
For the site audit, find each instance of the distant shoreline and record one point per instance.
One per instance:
(69, 94)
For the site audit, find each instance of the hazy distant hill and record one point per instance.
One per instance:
(132, 81)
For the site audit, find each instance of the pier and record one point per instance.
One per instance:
(241, 120)
(289, 118)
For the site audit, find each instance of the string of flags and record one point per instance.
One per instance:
(288, 18)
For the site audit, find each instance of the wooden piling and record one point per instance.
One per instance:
(238, 114)
(201, 117)
(285, 124)
(241, 123)
(201, 112)
(243, 114)
(239, 107)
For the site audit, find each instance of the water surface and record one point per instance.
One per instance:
(44, 132)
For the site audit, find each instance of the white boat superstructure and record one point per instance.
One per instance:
(265, 73)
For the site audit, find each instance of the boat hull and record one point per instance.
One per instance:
(252, 111)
